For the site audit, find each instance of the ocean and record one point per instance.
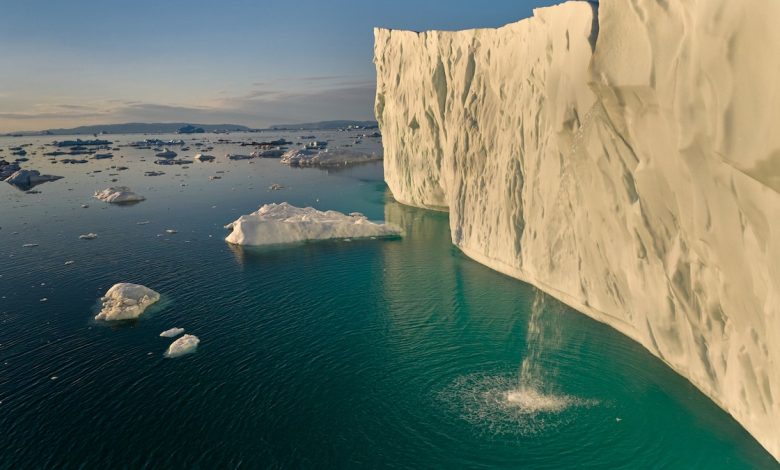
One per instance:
(397, 353)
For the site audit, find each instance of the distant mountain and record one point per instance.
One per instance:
(138, 128)
(325, 125)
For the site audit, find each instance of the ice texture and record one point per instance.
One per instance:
(118, 195)
(185, 345)
(622, 157)
(125, 301)
(285, 223)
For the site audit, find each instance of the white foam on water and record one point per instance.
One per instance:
(499, 405)
(530, 400)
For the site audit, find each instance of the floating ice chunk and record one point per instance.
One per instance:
(26, 179)
(285, 223)
(88, 236)
(67, 263)
(171, 231)
(125, 301)
(173, 332)
(118, 195)
(185, 345)
(167, 153)
(269, 153)
(29, 245)
(327, 157)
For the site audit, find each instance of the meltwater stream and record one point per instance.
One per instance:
(530, 402)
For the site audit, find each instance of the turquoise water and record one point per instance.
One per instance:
(396, 353)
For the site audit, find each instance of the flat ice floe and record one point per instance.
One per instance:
(185, 345)
(118, 195)
(125, 301)
(285, 223)
(326, 157)
(173, 332)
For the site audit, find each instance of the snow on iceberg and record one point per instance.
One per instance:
(173, 332)
(118, 195)
(285, 223)
(187, 344)
(125, 301)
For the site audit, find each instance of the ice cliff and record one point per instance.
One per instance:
(625, 158)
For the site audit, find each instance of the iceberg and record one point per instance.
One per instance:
(187, 344)
(173, 332)
(623, 157)
(326, 157)
(285, 223)
(26, 179)
(125, 301)
(118, 195)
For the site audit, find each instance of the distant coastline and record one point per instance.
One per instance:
(188, 127)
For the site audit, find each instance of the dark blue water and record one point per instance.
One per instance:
(384, 353)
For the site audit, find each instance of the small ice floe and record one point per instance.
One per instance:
(185, 345)
(275, 187)
(118, 195)
(269, 153)
(233, 156)
(69, 262)
(171, 231)
(285, 223)
(167, 153)
(125, 301)
(29, 245)
(88, 236)
(173, 332)
(143, 222)
(85, 206)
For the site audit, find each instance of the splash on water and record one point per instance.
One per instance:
(532, 401)
(525, 404)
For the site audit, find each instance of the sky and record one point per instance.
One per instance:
(257, 63)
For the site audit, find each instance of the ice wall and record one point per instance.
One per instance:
(625, 159)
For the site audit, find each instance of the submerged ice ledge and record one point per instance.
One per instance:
(625, 159)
